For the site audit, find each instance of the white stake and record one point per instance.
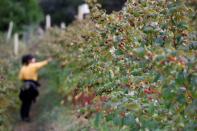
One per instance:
(16, 44)
(48, 21)
(10, 30)
(63, 26)
(82, 10)
(40, 32)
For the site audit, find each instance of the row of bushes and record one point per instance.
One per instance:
(135, 69)
(8, 85)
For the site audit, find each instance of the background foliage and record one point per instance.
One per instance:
(23, 12)
(66, 10)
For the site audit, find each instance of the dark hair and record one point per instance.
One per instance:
(26, 59)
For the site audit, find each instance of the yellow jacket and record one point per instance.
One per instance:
(30, 72)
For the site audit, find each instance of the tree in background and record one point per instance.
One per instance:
(65, 10)
(112, 5)
(21, 12)
(60, 10)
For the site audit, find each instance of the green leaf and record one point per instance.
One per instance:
(169, 94)
(119, 52)
(97, 119)
(159, 41)
(110, 117)
(191, 126)
(181, 96)
(136, 14)
(148, 30)
(129, 120)
(194, 80)
(182, 25)
(179, 39)
(132, 106)
(180, 78)
(118, 120)
(140, 51)
(136, 72)
(192, 108)
(151, 124)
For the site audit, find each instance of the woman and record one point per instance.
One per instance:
(29, 75)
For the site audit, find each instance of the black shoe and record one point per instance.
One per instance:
(34, 100)
(26, 119)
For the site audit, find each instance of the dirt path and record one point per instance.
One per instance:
(37, 111)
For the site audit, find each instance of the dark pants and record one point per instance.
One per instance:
(25, 109)
(28, 94)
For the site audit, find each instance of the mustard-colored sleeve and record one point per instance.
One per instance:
(20, 76)
(41, 64)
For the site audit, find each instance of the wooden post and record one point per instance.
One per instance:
(63, 26)
(48, 22)
(26, 37)
(82, 10)
(40, 32)
(16, 43)
(10, 31)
